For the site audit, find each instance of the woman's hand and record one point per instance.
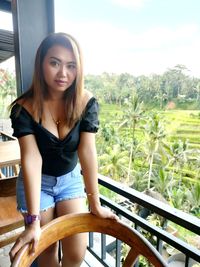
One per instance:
(103, 212)
(30, 235)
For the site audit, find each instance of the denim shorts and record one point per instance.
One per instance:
(53, 189)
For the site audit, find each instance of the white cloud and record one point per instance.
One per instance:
(165, 36)
(113, 49)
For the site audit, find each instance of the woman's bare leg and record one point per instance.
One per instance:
(73, 247)
(48, 258)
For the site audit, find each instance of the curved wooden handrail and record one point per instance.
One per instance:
(10, 218)
(71, 224)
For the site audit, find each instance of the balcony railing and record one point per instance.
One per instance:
(109, 252)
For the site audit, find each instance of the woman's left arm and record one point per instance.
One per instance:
(88, 160)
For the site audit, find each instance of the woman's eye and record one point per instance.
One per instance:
(71, 66)
(54, 63)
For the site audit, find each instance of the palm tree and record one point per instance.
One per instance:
(163, 182)
(132, 113)
(113, 163)
(179, 155)
(193, 197)
(154, 144)
(107, 136)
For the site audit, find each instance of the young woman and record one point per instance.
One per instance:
(55, 122)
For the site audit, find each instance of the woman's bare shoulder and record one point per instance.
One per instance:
(27, 104)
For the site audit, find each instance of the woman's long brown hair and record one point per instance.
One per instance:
(38, 89)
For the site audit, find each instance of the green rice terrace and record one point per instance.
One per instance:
(153, 150)
(165, 147)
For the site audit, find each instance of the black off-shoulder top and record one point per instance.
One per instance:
(59, 156)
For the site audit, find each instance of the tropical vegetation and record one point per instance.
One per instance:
(149, 131)
(149, 136)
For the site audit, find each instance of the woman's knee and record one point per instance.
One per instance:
(51, 250)
(74, 249)
(75, 257)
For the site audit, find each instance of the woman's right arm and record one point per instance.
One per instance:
(31, 163)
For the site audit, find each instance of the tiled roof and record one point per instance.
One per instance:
(6, 37)
(6, 45)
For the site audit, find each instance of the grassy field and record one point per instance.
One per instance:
(179, 124)
(184, 125)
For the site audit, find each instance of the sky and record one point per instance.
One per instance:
(140, 37)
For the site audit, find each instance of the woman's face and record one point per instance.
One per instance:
(59, 68)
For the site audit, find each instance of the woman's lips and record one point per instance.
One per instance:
(61, 83)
